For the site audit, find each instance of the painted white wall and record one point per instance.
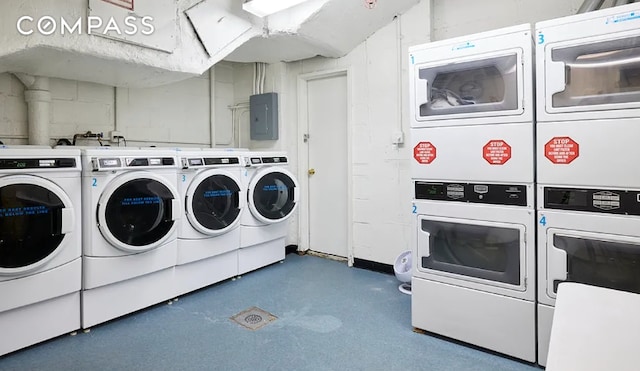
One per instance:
(381, 186)
(451, 18)
(171, 115)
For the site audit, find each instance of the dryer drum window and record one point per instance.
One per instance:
(139, 212)
(216, 202)
(486, 252)
(273, 195)
(30, 224)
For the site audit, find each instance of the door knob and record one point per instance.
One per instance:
(312, 171)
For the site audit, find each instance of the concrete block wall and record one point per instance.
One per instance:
(172, 115)
(380, 181)
(13, 110)
(451, 18)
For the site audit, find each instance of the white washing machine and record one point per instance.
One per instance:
(213, 200)
(588, 89)
(131, 207)
(272, 197)
(472, 108)
(40, 244)
(472, 132)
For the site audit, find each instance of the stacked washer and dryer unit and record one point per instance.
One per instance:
(40, 244)
(588, 94)
(472, 132)
(131, 208)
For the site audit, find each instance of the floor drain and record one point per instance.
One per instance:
(253, 318)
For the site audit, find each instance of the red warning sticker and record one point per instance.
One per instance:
(561, 150)
(496, 152)
(424, 152)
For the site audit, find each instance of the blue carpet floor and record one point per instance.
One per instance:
(330, 317)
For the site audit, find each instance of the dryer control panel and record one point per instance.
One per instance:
(611, 201)
(495, 194)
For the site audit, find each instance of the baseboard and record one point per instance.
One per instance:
(373, 266)
(290, 249)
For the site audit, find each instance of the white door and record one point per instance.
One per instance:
(327, 151)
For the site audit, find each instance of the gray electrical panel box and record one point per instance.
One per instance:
(263, 109)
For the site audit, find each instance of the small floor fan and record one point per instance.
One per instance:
(402, 270)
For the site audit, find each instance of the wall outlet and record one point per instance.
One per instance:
(114, 135)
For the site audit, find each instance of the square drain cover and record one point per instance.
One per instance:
(253, 318)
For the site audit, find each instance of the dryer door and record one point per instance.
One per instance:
(272, 195)
(137, 211)
(213, 202)
(35, 217)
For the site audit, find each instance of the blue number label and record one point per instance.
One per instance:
(184, 178)
(540, 38)
(414, 210)
(94, 183)
(543, 221)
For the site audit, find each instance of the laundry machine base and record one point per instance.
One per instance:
(105, 270)
(496, 322)
(205, 272)
(545, 320)
(105, 303)
(191, 250)
(260, 255)
(253, 235)
(50, 284)
(32, 324)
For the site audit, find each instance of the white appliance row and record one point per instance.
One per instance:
(90, 235)
(488, 263)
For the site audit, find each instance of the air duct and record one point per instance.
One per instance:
(590, 5)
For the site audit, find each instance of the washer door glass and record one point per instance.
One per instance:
(139, 212)
(273, 195)
(31, 223)
(216, 202)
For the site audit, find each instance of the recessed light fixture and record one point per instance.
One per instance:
(263, 8)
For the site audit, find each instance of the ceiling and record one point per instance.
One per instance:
(193, 36)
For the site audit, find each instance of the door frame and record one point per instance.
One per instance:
(303, 155)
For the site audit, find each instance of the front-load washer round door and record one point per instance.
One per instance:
(36, 216)
(213, 203)
(137, 211)
(273, 195)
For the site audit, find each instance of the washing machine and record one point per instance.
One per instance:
(211, 189)
(40, 244)
(272, 197)
(472, 107)
(131, 207)
(588, 89)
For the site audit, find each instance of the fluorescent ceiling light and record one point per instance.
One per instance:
(263, 8)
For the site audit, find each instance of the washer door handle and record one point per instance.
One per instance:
(68, 220)
(423, 243)
(175, 209)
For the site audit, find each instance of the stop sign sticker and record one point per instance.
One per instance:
(424, 152)
(561, 150)
(496, 152)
